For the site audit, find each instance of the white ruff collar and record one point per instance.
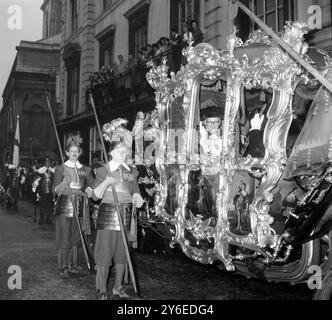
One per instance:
(71, 164)
(114, 165)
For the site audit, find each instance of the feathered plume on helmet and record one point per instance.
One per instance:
(74, 141)
(116, 131)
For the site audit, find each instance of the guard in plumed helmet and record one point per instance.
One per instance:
(109, 245)
(75, 175)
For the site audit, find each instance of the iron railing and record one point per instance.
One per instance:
(109, 88)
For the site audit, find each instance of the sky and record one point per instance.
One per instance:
(31, 30)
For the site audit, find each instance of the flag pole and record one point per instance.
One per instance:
(35, 197)
(116, 201)
(68, 185)
(16, 151)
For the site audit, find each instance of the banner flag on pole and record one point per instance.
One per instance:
(16, 154)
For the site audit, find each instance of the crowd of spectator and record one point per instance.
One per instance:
(16, 183)
(177, 42)
(171, 47)
(128, 77)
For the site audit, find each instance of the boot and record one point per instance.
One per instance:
(73, 270)
(64, 273)
(121, 293)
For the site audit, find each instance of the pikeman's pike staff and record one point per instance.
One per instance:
(68, 185)
(116, 201)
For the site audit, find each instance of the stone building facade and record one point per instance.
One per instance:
(95, 32)
(34, 71)
(276, 12)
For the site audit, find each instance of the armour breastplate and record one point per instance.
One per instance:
(46, 183)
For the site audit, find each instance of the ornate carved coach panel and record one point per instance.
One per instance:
(224, 121)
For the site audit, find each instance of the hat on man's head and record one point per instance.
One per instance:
(74, 141)
(116, 131)
(211, 112)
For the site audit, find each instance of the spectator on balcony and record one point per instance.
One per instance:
(149, 52)
(196, 32)
(141, 56)
(161, 49)
(122, 65)
(176, 39)
(166, 52)
(114, 68)
(176, 42)
(146, 54)
(187, 38)
(167, 44)
(139, 75)
(155, 49)
(187, 35)
(132, 63)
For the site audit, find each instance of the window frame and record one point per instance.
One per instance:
(137, 22)
(106, 42)
(107, 4)
(73, 105)
(176, 13)
(73, 15)
(288, 14)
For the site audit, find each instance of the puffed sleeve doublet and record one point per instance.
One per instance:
(126, 186)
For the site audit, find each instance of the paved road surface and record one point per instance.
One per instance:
(31, 247)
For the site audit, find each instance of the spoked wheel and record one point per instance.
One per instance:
(326, 292)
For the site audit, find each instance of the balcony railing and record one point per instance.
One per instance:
(109, 88)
